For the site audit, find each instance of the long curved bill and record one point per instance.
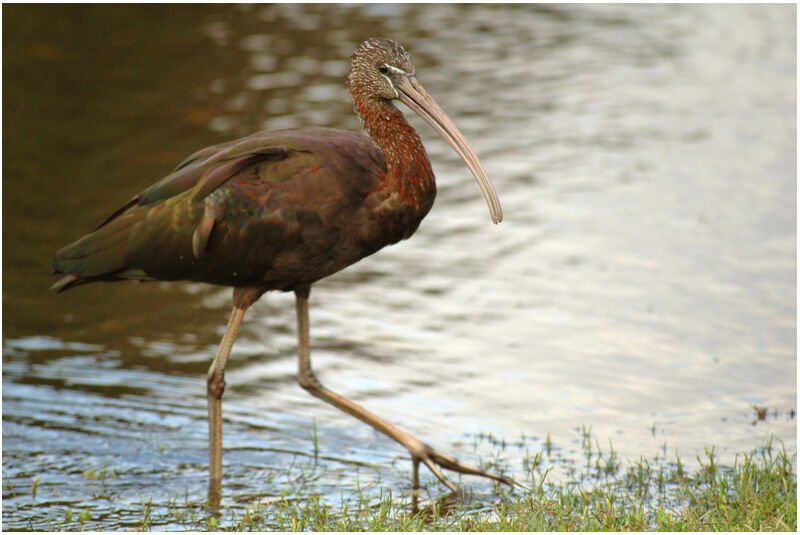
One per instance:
(412, 94)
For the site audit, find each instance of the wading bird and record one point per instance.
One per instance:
(280, 210)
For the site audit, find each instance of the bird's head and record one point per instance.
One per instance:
(376, 67)
(381, 69)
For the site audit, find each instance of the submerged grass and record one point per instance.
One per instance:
(757, 493)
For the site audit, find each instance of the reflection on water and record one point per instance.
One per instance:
(643, 281)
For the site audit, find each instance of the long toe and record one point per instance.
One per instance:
(433, 459)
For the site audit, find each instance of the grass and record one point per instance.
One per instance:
(598, 492)
(758, 493)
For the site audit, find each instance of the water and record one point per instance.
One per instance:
(643, 281)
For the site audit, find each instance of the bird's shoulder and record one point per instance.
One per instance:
(291, 160)
(325, 177)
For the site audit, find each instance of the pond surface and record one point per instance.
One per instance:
(642, 283)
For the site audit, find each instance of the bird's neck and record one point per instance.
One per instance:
(408, 169)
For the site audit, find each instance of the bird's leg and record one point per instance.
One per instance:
(419, 451)
(215, 386)
(415, 485)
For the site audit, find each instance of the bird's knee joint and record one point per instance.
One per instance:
(309, 382)
(215, 385)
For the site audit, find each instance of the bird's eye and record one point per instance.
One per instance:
(384, 69)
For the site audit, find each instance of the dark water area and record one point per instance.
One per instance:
(642, 283)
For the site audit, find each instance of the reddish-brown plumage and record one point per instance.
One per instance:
(317, 201)
(275, 210)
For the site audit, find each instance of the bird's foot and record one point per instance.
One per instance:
(434, 459)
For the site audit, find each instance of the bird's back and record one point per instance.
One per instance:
(276, 210)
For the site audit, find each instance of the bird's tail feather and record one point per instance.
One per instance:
(96, 256)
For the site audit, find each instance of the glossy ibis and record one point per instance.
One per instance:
(280, 210)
